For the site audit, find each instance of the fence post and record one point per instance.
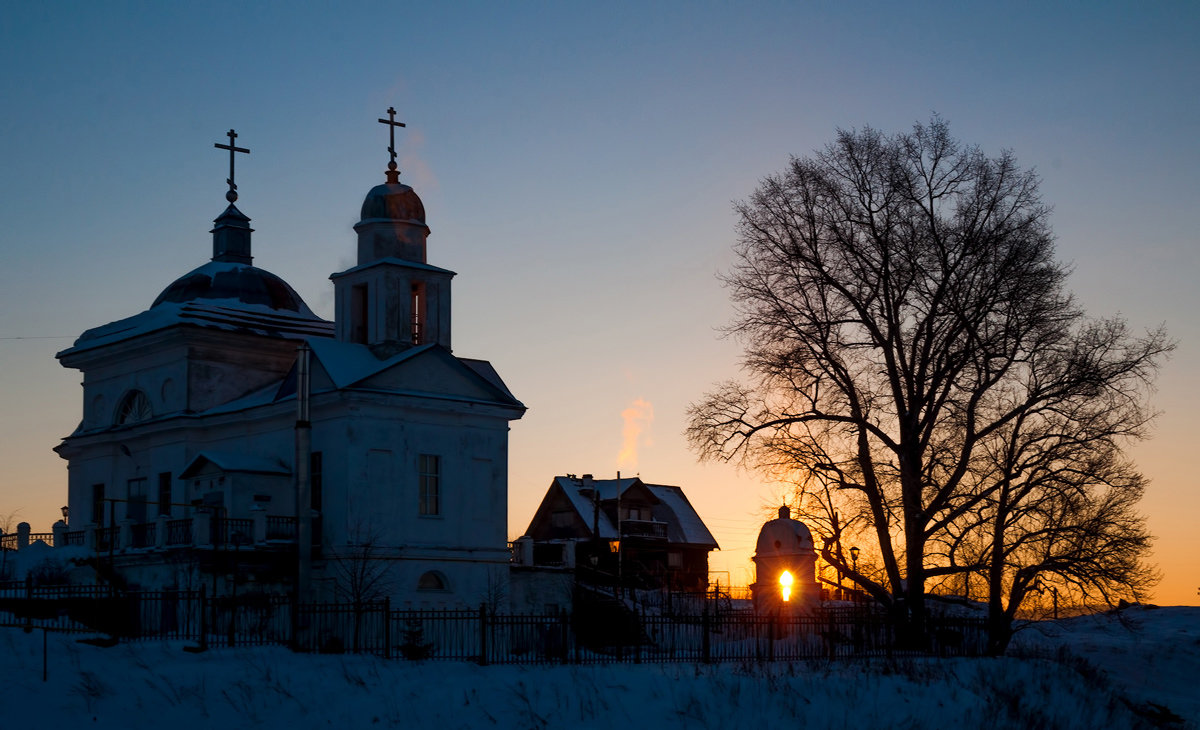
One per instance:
(771, 619)
(203, 619)
(387, 627)
(483, 647)
(637, 639)
(705, 646)
(565, 635)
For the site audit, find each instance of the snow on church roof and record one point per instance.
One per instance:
(349, 363)
(232, 462)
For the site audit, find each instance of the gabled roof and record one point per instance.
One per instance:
(420, 370)
(673, 508)
(232, 463)
(393, 261)
(692, 529)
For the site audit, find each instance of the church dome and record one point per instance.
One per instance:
(234, 282)
(393, 201)
(783, 536)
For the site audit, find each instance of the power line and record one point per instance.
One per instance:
(41, 337)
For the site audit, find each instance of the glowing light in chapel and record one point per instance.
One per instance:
(785, 585)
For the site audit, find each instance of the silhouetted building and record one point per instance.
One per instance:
(785, 546)
(619, 530)
(188, 445)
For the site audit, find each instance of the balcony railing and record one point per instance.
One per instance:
(143, 535)
(106, 538)
(179, 532)
(281, 528)
(648, 529)
(232, 531)
(204, 530)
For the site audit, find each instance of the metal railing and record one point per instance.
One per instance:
(144, 535)
(644, 528)
(476, 635)
(179, 532)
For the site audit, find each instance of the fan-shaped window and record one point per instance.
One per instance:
(431, 581)
(135, 407)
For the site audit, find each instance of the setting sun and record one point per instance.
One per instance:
(785, 585)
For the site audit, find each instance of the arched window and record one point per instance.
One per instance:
(135, 407)
(432, 581)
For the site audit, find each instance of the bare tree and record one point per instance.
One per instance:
(362, 574)
(902, 312)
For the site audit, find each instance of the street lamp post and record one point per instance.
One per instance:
(854, 567)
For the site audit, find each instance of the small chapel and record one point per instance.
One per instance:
(228, 418)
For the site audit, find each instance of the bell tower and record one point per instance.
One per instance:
(392, 299)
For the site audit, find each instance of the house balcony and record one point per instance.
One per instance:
(644, 529)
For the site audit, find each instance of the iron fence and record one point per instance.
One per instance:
(476, 635)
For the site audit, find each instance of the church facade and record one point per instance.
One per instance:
(228, 418)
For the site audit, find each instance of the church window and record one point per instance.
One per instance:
(429, 476)
(358, 314)
(164, 493)
(135, 407)
(418, 313)
(98, 504)
(135, 496)
(432, 581)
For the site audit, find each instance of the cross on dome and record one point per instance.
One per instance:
(393, 175)
(232, 195)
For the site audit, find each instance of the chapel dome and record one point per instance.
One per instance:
(783, 536)
(393, 201)
(226, 281)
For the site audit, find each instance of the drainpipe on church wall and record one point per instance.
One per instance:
(303, 477)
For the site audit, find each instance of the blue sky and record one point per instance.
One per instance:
(578, 162)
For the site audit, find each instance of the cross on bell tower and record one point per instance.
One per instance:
(393, 174)
(232, 195)
(231, 234)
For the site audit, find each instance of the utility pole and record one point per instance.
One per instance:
(303, 475)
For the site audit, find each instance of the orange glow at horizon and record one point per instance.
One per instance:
(785, 585)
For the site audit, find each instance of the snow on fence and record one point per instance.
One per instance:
(473, 635)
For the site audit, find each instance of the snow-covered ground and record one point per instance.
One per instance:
(1119, 661)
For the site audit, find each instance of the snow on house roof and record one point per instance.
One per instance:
(693, 529)
(686, 527)
(233, 462)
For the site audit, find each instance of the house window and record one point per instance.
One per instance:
(135, 407)
(135, 495)
(164, 493)
(98, 504)
(432, 581)
(674, 559)
(429, 475)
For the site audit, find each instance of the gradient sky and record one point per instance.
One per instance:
(578, 162)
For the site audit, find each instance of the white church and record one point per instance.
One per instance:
(227, 418)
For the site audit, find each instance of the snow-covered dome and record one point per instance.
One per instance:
(783, 536)
(228, 281)
(393, 201)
